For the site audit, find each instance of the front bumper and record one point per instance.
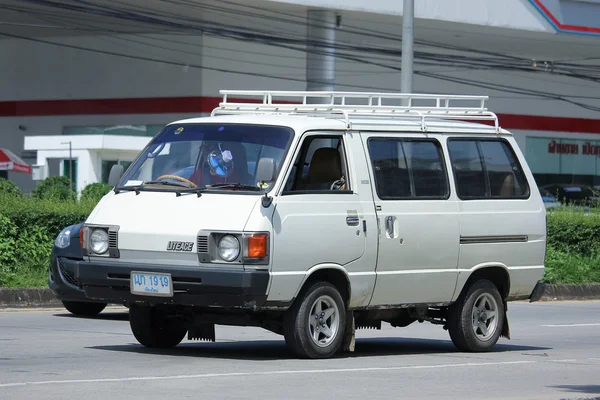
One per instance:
(192, 286)
(61, 279)
(538, 292)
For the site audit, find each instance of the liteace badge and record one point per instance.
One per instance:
(180, 246)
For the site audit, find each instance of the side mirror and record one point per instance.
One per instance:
(266, 169)
(116, 172)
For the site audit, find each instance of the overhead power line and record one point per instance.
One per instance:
(383, 57)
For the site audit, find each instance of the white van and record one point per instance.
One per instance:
(318, 214)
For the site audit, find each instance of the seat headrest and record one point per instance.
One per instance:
(325, 166)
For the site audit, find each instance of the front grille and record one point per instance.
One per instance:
(112, 240)
(202, 244)
(66, 274)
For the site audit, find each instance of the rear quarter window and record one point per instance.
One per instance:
(487, 169)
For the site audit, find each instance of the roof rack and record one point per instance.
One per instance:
(364, 104)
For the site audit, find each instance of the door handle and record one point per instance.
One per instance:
(389, 226)
(352, 221)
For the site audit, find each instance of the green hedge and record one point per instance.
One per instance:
(55, 188)
(94, 192)
(573, 250)
(8, 188)
(28, 227)
(574, 232)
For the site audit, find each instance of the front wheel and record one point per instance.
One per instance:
(476, 319)
(156, 328)
(314, 326)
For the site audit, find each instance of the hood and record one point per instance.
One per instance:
(148, 221)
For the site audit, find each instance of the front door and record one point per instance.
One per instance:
(322, 219)
(418, 219)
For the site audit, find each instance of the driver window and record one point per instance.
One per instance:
(320, 166)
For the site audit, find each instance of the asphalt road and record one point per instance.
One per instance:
(554, 353)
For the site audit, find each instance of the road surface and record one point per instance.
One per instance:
(554, 353)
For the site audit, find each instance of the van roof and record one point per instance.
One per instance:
(355, 111)
(301, 123)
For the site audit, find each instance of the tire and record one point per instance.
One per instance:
(468, 308)
(83, 308)
(153, 328)
(305, 334)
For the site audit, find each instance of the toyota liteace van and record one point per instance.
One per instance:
(313, 214)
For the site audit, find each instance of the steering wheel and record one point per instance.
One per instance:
(177, 178)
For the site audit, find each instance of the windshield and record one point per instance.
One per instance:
(202, 155)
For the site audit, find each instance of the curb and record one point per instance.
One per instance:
(590, 291)
(45, 298)
(28, 298)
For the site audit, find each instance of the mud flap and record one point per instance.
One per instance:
(349, 340)
(505, 327)
(205, 332)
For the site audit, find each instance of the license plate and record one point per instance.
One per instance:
(151, 284)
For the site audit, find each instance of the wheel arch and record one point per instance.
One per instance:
(497, 273)
(332, 273)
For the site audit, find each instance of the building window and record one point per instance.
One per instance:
(107, 166)
(408, 169)
(486, 169)
(68, 166)
(122, 130)
(4, 174)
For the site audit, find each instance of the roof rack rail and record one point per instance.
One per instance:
(364, 104)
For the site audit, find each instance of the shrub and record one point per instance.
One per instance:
(8, 241)
(54, 188)
(28, 228)
(574, 232)
(94, 192)
(50, 215)
(9, 188)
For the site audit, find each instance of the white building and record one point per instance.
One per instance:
(106, 77)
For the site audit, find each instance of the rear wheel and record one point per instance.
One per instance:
(314, 326)
(83, 308)
(476, 319)
(154, 327)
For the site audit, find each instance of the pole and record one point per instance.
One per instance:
(406, 75)
(320, 56)
(70, 168)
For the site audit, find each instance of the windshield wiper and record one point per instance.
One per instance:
(182, 188)
(167, 183)
(234, 186)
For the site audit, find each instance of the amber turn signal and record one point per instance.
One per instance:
(257, 246)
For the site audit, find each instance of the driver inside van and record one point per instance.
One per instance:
(217, 164)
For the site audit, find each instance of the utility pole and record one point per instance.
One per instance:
(320, 56)
(406, 75)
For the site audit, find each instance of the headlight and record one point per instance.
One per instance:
(99, 241)
(64, 238)
(229, 248)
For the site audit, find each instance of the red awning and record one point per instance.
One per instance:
(10, 162)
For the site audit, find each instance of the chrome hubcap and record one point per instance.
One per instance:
(323, 321)
(485, 316)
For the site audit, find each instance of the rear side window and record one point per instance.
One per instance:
(487, 169)
(408, 169)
